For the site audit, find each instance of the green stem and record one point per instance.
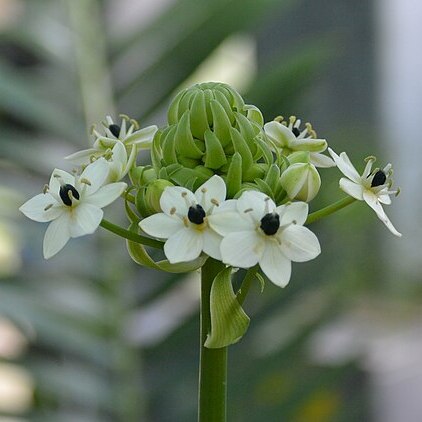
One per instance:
(213, 362)
(330, 209)
(120, 231)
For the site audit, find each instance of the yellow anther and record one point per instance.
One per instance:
(125, 117)
(370, 158)
(292, 119)
(279, 119)
(45, 189)
(85, 181)
(214, 202)
(48, 207)
(134, 123)
(248, 210)
(186, 221)
(172, 210)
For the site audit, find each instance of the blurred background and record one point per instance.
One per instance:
(89, 336)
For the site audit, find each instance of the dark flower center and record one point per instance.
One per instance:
(115, 130)
(65, 194)
(378, 179)
(270, 223)
(296, 131)
(196, 214)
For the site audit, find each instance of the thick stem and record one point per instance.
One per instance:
(213, 362)
(330, 209)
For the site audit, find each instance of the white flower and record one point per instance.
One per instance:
(289, 138)
(260, 232)
(185, 219)
(373, 187)
(131, 138)
(72, 204)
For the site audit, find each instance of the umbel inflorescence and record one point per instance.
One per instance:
(220, 182)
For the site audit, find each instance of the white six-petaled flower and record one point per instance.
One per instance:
(373, 187)
(259, 232)
(118, 145)
(185, 220)
(72, 204)
(290, 138)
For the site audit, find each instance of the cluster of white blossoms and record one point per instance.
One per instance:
(240, 232)
(73, 203)
(221, 184)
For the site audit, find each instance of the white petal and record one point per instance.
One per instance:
(295, 211)
(106, 194)
(384, 199)
(35, 208)
(345, 166)
(96, 173)
(255, 203)
(82, 157)
(185, 245)
(229, 205)
(212, 242)
(308, 144)
(242, 249)
(321, 160)
(85, 219)
(119, 153)
(161, 225)
(177, 197)
(214, 188)
(142, 137)
(279, 133)
(56, 236)
(275, 265)
(57, 178)
(351, 188)
(372, 200)
(228, 222)
(299, 244)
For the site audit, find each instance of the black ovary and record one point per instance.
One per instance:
(115, 130)
(270, 223)
(196, 214)
(64, 194)
(378, 179)
(296, 131)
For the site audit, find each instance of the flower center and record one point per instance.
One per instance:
(115, 130)
(296, 131)
(270, 223)
(196, 214)
(378, 179)
(67, 193)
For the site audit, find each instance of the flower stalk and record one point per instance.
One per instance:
(330, 209)
(212, 362)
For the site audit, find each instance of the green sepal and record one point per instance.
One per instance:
(229, 321)
(198, 115)
(214, 153)
(185, 103)
(222, 100)
(234, 175)
(168, 146)
(221, 123)
(253, 172)
(254, 113)
(242, 148)
(173, 111)
(299, 157)
(264, 187)
(272, 177)
(247, 131)
(264, 150)
(190, 163)
(156, 151)
(140, 203)
(185, 144)
(139, 254)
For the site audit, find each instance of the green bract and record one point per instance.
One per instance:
(212, 131)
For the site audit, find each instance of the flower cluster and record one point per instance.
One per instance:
(220, 183)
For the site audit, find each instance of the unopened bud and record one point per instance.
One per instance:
(301, 181)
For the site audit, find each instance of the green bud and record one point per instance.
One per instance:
(212, 131)
(142, 175)
(301, 181)
(147, 200)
